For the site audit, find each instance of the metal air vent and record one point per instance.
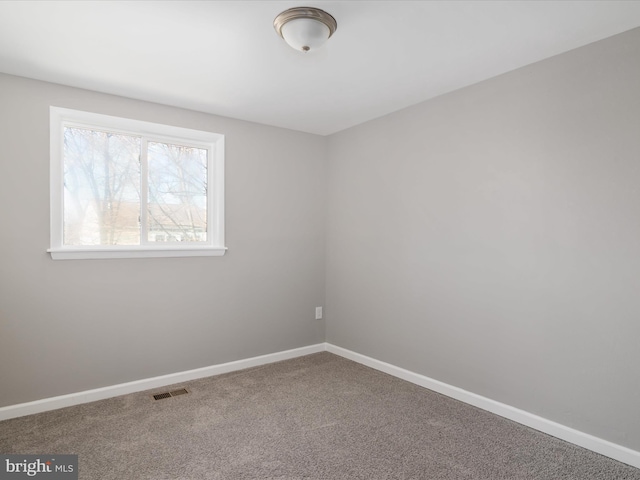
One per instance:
(173, 393)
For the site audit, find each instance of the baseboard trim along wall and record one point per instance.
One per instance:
(595, 444)
(53, 403)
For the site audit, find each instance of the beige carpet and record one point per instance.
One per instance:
(314, 417)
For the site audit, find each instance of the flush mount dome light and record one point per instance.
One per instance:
(305, 28)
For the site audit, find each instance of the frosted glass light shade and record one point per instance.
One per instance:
(305, 34)
(305, 28)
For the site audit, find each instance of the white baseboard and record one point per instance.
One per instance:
(585, 440)
(595, 444)
(53, 403)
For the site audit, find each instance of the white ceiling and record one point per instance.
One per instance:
(224, 57)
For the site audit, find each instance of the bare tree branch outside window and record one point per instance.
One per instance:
(102, 185)
(177, 193)
(101, 188)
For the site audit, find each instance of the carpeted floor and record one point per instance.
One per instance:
(314, 417)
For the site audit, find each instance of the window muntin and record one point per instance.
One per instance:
(125, 188)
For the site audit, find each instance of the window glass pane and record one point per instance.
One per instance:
(101, 188)
(177, 207)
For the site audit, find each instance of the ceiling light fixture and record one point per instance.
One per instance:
(305, 28)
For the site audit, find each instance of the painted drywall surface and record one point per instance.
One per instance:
(69, 326)
(490, 239)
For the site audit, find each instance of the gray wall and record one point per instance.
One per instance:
(68, 326)
(490, 239)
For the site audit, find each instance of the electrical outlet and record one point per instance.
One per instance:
(318, 313)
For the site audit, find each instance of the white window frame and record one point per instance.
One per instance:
(213, 142)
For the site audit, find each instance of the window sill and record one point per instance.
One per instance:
(134, 252)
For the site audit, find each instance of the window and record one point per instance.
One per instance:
(124, 188)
